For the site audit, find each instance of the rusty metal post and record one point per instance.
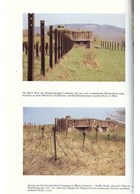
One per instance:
(56, 43)
(42, 131)
(108, 137)
(54, 135)
(103, 44)
(96, 135)
(59, 45)
(112, 46)
(115, 45)
(30, 47)
(118, 46)
(37, 48)
(66, 44)
(63, 45)
(46, 48)
(107, 44)
(26, 48)
(51, 46)
(42, 36)
(84, 137)
(71, 45)
(23, 45)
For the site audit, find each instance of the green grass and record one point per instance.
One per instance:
(101, 65)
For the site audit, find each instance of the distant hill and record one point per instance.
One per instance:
(106, 32)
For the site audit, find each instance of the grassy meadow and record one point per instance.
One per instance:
(95, 158)
(82, 64)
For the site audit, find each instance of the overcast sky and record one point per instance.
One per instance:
(52, 19)
(44, 115)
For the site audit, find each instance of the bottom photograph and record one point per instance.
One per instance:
(74, 141)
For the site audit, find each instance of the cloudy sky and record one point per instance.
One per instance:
(52, 19)
(47, 115)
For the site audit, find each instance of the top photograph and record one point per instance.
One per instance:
(73, 47)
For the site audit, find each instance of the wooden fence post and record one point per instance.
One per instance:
(30, 47)
(51, 46)
(42, 32)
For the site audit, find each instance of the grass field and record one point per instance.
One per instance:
(82, 64)
(101, 158)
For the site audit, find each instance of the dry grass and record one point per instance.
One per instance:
(90, 59)
(101, 158)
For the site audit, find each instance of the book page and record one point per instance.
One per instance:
(70, 96)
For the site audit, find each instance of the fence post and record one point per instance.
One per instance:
(51, 46)
(37, 48)
(118, 46)
(107, 44)
(112, 46)
(59, 41)
(61, 44)
(30, 47)
(96, 135)
(108, 137)
(84, 136)
(54, 135)
(101, 44)
(56, 43)
(26, 47)
(23, 45)
(42, 36)
(115, 45)
(46, 48)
